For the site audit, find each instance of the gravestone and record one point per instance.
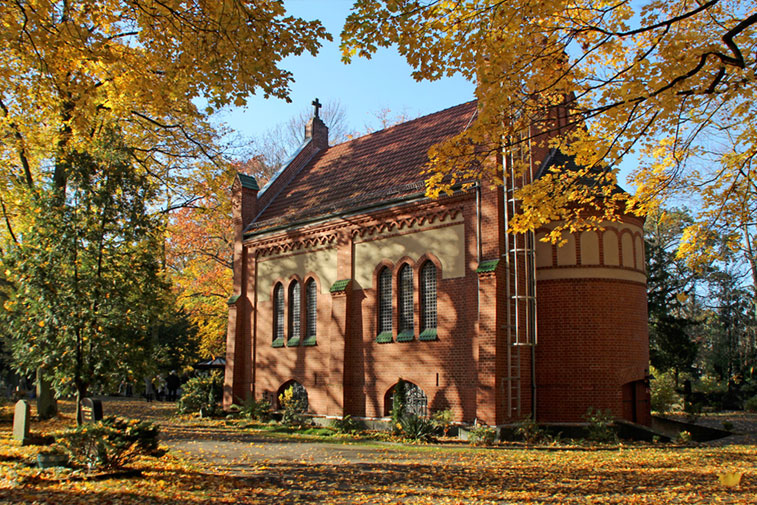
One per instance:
(21, 421)
(47, 406)
(91, 410)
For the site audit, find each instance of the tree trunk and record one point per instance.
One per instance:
(81, 393)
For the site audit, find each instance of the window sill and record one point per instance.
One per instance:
(279, 342)
(428, 335)
(406, 336)
(309, 341)
(384, 337)
(293, 342)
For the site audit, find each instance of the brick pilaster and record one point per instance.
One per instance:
(488, 393)
(237, 378)
(341, 294)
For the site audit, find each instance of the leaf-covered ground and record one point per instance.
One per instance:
(223, 465)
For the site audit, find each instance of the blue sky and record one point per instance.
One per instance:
(363, 87)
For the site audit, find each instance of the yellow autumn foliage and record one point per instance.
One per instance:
(155, 70)
(669, 82)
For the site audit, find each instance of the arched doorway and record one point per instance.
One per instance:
(298, 390)
(416, 401)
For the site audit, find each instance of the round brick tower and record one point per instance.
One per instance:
(593, 342)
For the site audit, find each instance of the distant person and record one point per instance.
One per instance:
(157, 387)
(149, 390)
(173, 382)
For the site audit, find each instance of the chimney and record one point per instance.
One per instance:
(244, 200)
(316, 129)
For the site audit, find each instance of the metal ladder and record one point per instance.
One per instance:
(520, 281)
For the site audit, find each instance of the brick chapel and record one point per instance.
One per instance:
(348, 278)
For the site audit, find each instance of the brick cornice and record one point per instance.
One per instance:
(371, 225)
(359, 226)
(285, 243)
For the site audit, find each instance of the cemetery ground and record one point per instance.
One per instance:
(237, 461)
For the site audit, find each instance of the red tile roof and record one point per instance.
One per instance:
(369, 170)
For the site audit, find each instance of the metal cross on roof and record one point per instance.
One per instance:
(317, 106)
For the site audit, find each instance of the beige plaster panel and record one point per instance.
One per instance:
(627, 244)
(591, 273)
(566, 253)
(610, 247)
(589, 248)
(543, 251)
(639, 247)
(446, 243)
(320, 262)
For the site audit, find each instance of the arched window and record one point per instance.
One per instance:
(385, 304)
(278, 314)
(428, 301)
(405, 305)
(311, 311)
(294, 313)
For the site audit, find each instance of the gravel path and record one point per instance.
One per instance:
(236, 452)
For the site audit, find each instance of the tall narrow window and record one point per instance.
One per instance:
(385, 305)
(294, 313)
(278, 314)
(428, 302)
(311, 308)
(405, 304)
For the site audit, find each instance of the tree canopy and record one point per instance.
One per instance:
(106, 113)
(156, 70)
(88, 284)
(670, 81)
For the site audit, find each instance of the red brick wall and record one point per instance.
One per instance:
(444, 369)
(308, 365)
(592, 339)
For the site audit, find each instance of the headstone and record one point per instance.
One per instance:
(21, 421)
(91, 410)
(47, 406)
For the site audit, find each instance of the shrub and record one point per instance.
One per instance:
(529, 431)
(600, 425)
(751, 404)
(416, 427)
(254, 409)
(442, 420)
(202, 394)
(347, 424)
(293, 407)
(111, 443)
(693, 410)
(664, 396)
(683, 437)
(482, 435)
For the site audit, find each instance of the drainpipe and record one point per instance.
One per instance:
(478, 246)
(533, 314)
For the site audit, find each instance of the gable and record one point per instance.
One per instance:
(382, 167)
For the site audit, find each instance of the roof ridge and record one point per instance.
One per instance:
(404, 123)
